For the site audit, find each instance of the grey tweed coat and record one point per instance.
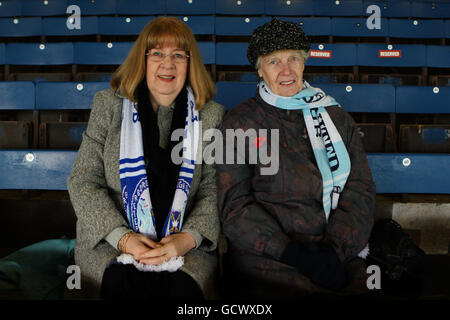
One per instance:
(95, 193)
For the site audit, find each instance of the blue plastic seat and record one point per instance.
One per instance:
(289, 8)
(10, 8)
(207, 51)
(230, 94)
(447, 28)
(396, 55)
(427, 99)
(240, 7)
(2, 53)
(101, 53)
(238, 26)
(140, 7)
(20, 27)
(190, 7)
(362, 97)
(60, 53)
(410, 173)
(438, 56)
(35, 169)
(333, 8)
(199, 25)
(402, 28)
(434, 9)
(357, 27)
(42, 8)
(389, 9)
(343, 54)
(67, 95)
(96, 7)
(58, 27)
(312, 26)
(231, 53)
(122, 25)
(17, 95)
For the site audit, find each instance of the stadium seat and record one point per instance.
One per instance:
(434, 9)
(96, 7)
(16, 96)
(362, 97)
(312, 26)
(64, 96)
(58, 27)
(416, 28)
(356, 27)
(35, 169)
(240, 7)
(207, 51)
(410, 173)
(230, 94)
(231, 54)
(289, 8)
(190, 7)
(199, 25)
(67, 95)
(396, 55)
(140, 7)
(333, 55)
(447, 28)
(424, 138)
(389, 9)
(333, 8)
(426, 99)
(238, 26)
(20, 27)
(122, 25)
(10, 8)
(40, 8)
(60, 53)
(2, 53)
(101, 53)
(438, 56)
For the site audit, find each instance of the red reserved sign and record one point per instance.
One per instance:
(324, 54)
(389, 53)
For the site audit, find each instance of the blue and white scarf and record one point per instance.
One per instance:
(330, 152)
(134, 182)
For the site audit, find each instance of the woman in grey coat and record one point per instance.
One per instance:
(169, 221)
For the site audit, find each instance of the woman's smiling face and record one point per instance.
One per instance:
(166, 78)
(282, 71)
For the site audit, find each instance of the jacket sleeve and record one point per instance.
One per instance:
(96, 212)
(203, 220)
(247, 225)
(349, 226)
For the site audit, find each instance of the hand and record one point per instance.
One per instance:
(175, 245)
(136, 244)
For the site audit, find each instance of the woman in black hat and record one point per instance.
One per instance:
(304, 227)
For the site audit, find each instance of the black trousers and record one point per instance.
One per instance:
(126, 282)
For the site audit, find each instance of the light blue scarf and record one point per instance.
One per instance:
(330, 152)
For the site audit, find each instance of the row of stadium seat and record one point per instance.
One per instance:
(60, 111)
(227, 26)
(229, 53)
(388, 8)
(25, 95)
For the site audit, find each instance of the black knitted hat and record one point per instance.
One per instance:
(276, 35)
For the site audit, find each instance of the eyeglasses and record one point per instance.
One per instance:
(176, 57)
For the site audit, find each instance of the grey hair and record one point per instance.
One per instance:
(304, 54)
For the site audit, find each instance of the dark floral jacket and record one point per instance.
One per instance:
(261, 214)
